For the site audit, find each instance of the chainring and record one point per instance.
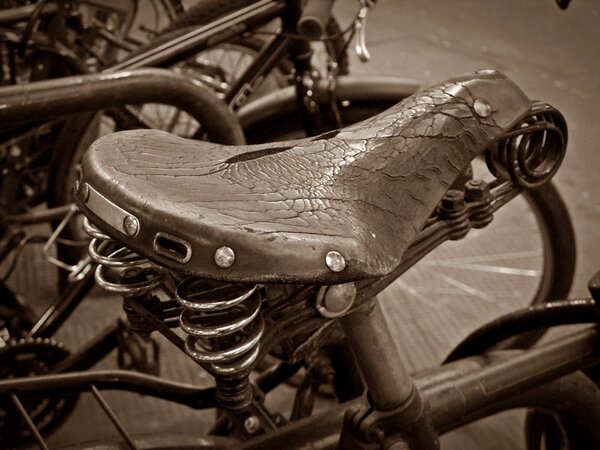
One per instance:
(27, 357)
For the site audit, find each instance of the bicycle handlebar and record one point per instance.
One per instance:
(314, 19)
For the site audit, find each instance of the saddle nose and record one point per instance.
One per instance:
(333, 208)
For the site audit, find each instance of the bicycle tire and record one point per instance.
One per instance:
(544, 205)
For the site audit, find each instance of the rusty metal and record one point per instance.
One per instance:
(70, 95)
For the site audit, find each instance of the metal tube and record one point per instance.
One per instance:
(375, 351)
(76, 382)
(523, 320)
(461, 392)
(458, 392)
(505, 378)
(205, 36)
(113, 418)
(23, 413)
(70, 95)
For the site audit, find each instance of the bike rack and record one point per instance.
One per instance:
(70, 95)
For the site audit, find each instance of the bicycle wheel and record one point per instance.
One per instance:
(525, 256)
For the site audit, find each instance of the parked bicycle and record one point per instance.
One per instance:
(543, 212)
(278, 295)
(326, 245)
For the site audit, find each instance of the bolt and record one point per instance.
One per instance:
(335, 261)
(224, 257)
(476, 190)
(252, 424)
(131, 226)
(453, 200)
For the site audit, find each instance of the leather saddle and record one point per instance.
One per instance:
(327, 209)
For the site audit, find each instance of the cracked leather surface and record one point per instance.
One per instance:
(364, 191)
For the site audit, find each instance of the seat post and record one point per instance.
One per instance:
(392, 393)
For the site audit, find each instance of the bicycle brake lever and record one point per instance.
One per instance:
(360, 47)
(359, 28)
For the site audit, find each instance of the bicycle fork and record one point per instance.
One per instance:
(393, 415)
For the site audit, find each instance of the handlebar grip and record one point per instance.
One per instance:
(314, 18)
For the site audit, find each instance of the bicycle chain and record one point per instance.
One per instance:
(27, 357)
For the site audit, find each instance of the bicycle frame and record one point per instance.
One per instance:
(455, 394)
(221, 30)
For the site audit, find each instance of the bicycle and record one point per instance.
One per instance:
(543, 206)
(310, 285)
(62, 169)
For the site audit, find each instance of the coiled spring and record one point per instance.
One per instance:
(120, 269)
(531, 153)
(223, 323)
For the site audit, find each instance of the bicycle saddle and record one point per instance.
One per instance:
(333, 208)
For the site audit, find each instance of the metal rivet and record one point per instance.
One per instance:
(131, 226)
(252, 424)
(85, 192)
(482, 107)
(224, 257)
(486, 72)
(335, 261)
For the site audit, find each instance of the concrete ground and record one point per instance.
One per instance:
(553, 56)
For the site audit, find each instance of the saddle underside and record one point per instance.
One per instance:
(337, 207)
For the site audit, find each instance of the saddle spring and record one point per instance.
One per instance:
(119, 269)
(224, 326)
(531, 153)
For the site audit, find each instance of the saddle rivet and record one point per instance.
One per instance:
(335, 261)
(85, 192)
(482, 107)
(487, 72)
(224, 257)
(131, 226)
